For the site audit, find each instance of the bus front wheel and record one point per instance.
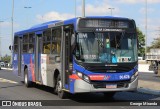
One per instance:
(61, 93)
(26, 80)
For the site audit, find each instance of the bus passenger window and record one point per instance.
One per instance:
(31, 48)
(15, 48)
(31, 43)
(46, 48)
(56, 41)
(47, 41)
(16, 44)
(58, 47)
(25, 43)
(53, 48)
(25, 48)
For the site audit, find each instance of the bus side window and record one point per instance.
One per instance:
(25, 43)
(46, 48)
(15, 44)
(56, 41)
(47, 41)
(31, 43)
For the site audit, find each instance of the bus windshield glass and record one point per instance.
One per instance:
(106, 47)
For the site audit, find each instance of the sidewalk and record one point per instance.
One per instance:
(149, 87)
(144, 68)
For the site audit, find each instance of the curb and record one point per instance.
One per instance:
(146, 71)
(148, 91)
(6, 68)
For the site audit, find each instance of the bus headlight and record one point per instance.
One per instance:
(134, 76)
(84, 77)
(79, 74)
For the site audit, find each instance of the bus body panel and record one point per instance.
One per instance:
(81, 86)
(48, 67)
(78, 85)
(106, 76)
(28, 61)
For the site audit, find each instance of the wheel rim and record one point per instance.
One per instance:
(25, 79)
(59, 86)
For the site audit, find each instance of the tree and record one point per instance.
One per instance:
(155, 43)
(6, 58)
(141, 43)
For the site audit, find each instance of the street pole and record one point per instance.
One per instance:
(83, 8)
(75, 8)
(146, 30)
(111, 10)
(12, 31)
(0, 39)
(0, 49)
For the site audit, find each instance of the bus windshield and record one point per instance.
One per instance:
(107, 47)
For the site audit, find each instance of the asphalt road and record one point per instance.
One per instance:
(12, 88)
(149, 77)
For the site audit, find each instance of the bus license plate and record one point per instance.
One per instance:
(111, 86)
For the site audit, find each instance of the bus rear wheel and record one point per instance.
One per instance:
(26, 80)
(58, 89)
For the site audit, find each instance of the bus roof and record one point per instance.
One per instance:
(46, 25)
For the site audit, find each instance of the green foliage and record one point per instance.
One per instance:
(155, 43)
(6, 58)
(141, 43)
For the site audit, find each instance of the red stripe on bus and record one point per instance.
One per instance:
(32, 70)
(96, 77)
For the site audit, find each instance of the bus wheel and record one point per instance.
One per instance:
(61, 93)
(26, 80)
(109, 95)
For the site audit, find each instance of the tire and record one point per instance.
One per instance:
(26, 80)
(58, 88)
(109, 95)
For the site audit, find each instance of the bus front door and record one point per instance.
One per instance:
(37, 56)
(66, 55)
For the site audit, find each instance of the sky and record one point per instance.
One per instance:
(40, 11)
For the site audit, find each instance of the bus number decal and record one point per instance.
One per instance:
(124, 77)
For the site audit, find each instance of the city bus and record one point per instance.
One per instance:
(79, 55)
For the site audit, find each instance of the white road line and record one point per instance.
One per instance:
(7, 81)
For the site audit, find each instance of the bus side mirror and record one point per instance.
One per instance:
(10, 47)
(57, 58)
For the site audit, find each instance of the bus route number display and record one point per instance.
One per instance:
(103, 23)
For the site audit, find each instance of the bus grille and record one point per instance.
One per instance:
(108, 69)
(103, 84)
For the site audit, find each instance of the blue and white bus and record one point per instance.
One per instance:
(79, 55)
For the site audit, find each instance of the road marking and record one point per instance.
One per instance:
(7, 81)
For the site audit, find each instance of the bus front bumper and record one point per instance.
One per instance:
(80, 86)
